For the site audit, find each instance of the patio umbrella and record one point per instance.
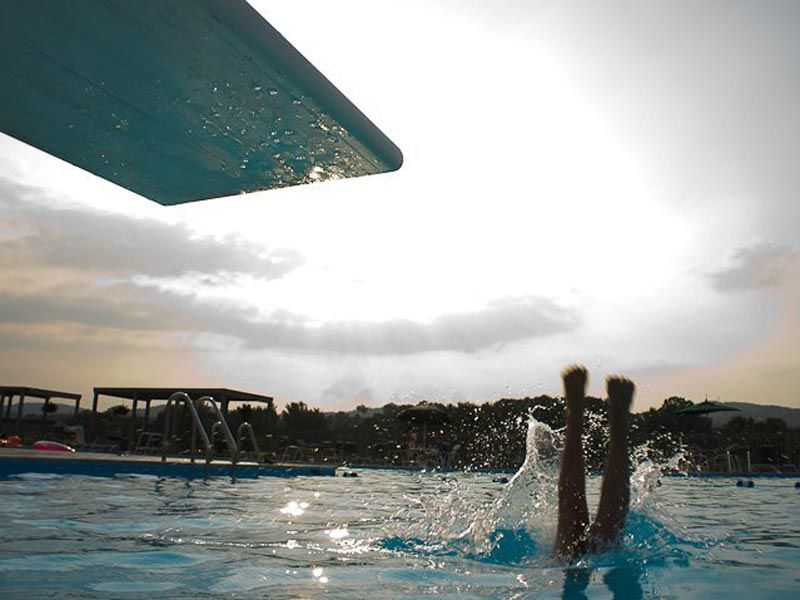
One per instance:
(705, 408)
(425, 414)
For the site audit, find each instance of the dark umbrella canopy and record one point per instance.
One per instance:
(705, 408)
(425, 414)
(429, 414)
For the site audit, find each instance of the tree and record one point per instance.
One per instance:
(737, 426)
(120, 410)
(774, 425)
(300, 420)
(245, 412)
(676, 403)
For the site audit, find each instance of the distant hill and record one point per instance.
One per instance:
(759, 412)
(34, 407)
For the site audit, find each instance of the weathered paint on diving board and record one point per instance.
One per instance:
(177, 100)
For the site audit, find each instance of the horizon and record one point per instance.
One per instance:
(608, 185)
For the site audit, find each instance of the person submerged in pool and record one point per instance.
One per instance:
(574, 536)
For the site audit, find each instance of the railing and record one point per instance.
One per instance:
(245, 426)
(233, 444)
(198, 426)
(221, 423)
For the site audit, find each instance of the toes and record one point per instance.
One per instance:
(619, 382)
(620, 389)
(572, 369)
(575, 374)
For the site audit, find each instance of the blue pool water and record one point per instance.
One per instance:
(385, 534)
(389, 534)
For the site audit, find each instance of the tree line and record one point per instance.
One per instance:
(492, 435)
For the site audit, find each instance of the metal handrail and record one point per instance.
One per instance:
(251, 434)
(198, 425)
(213, 433)
(233, 447)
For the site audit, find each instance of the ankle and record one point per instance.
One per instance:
(574, 412)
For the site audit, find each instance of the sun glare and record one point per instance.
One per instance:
(546, 207)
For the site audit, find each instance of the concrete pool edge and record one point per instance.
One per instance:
(19, 461)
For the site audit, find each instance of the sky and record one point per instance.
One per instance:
(612, 184)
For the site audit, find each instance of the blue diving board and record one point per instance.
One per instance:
(177, 100)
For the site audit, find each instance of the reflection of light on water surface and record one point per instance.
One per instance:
(294, 508)
(317, 572)
(337, 534)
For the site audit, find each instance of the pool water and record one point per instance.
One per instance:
(387, 534)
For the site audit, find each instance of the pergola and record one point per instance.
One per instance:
(9, 391)
(223, 396)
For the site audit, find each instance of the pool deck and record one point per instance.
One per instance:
(15, 461)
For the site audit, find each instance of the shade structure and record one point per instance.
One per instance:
(147, 395)
(164, 393)
(705, 407)
(429, 414)
(177, 100)
(9, 391)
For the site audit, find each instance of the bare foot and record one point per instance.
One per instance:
(575, 378)
(620, 395)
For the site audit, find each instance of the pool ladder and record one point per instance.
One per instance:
(251, 435)
(233, 444)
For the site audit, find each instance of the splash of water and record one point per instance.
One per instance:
(464, 514)
(530, 498)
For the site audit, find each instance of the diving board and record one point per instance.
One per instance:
(177, 100)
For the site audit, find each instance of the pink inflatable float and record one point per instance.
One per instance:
(51, 446)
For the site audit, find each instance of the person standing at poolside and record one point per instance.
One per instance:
(574, 536)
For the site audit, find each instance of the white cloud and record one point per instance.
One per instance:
(125, 308)
(37, 229)
(348, 390)
(756, 265)
(117, 261)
